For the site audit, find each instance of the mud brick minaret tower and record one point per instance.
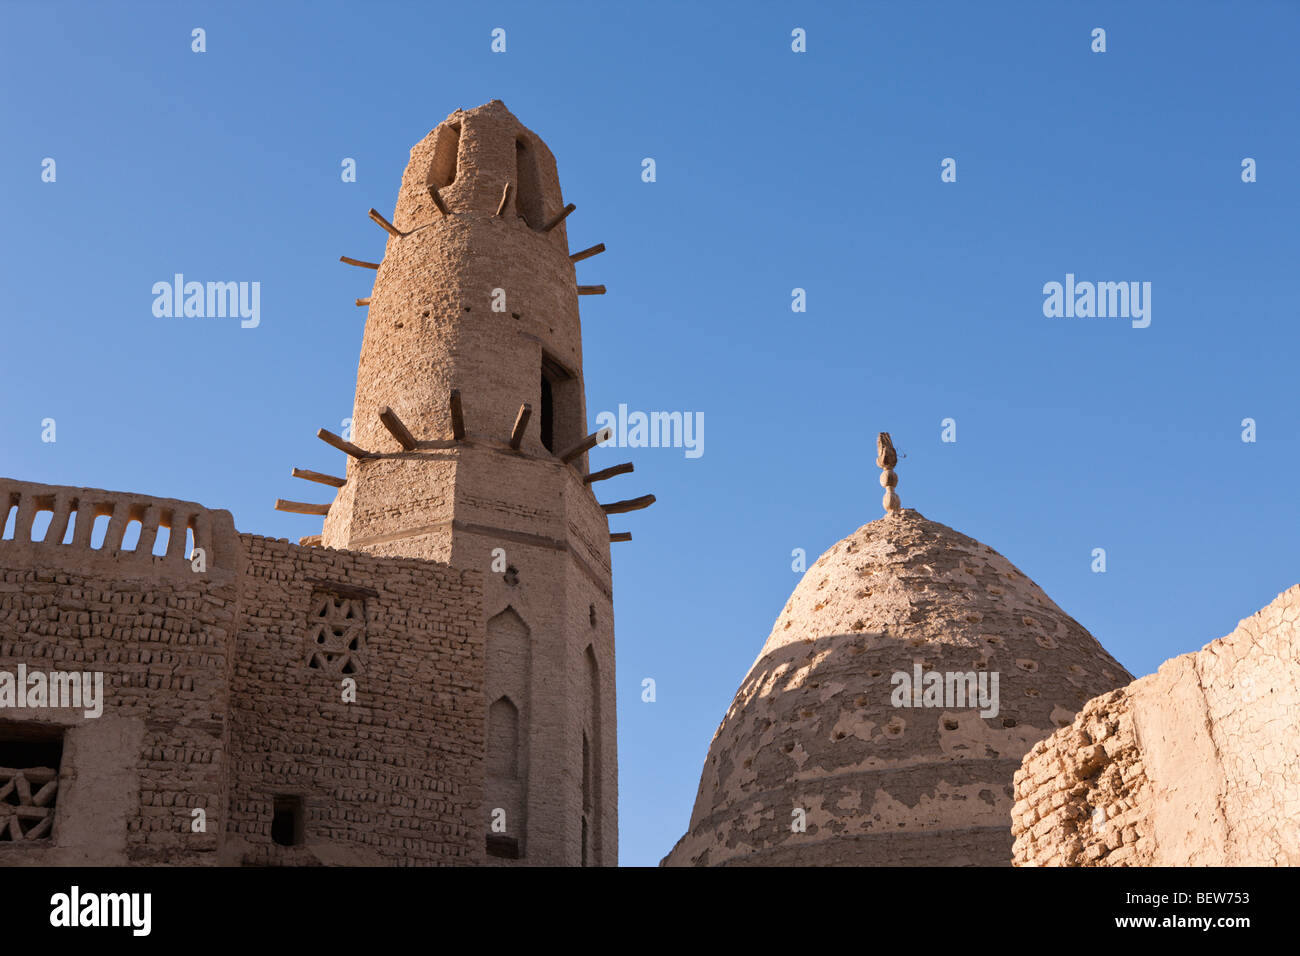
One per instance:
(469, 446)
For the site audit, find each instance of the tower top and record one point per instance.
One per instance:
(482, 163)
(886, 459)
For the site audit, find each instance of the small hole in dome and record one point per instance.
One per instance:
(426, 314)
(1008, 722)
(466, 308)
(398, 325)
(514, 315)
(949, 724)
(511, 576)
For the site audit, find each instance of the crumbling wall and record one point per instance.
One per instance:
(1196, 764)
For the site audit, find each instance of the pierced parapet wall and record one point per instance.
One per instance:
(69, 536)
(1194, 765)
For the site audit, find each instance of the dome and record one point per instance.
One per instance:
(829, 756)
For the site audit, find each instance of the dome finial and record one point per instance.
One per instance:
(886, 459)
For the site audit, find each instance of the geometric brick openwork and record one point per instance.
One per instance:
(27, 803)
(336, 633)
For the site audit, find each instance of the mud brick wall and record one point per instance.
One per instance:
(163, 637)
(1196, 764)
(1081, 794)
(393, 778)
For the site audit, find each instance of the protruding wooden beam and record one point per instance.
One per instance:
(301, 507)
(437, 200)
(616, 470)
(457, 416)
(560, 217)
(363, 301)
(505, 200)
(591, 290)
(317, 477)
(359, 262)
(395, 428)
(595, 250)
(347, 447)
(588, 443)
(631, 504)
(620, 536)
(521, 423)
(388, 227)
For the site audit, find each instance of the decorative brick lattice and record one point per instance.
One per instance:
(336, 635)
(27, 803)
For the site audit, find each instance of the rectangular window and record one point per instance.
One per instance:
(502, 847)
(288, 824)
(562, 425)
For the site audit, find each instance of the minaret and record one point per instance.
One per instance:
(469, 446)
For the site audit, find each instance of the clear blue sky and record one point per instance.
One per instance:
(776, 170)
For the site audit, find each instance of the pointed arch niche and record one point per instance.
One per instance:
(508, 685)
(592, 738)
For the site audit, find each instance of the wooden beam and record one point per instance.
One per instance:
(563, 214)
(586, 444)
(301, 507)
(505, 199)
(317, 477)
(395, 428)
(595, 250)
(620, 536)
(343, 589)
(521, 423)
(359, 262)
(437, 200)
(591, 290)
(631, 504)
(457, 416)
(363, 301)
(347, 447)
(388, 227)
(616, 470)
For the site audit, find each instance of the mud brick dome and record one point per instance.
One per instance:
(813, 726)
